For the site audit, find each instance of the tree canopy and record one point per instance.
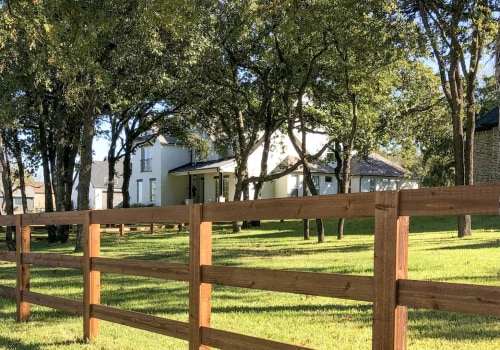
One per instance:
(239, 71)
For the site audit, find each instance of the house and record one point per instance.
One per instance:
(35, 198)
(487, 148)
(165, 172)
(39, 199)
(99, 186)
(377, 173)
(292, 185)
(150, 182)
(213, 180)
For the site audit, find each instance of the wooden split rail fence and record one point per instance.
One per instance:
(389, 289)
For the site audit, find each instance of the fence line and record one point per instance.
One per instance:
(388, 289)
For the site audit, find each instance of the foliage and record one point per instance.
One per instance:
(487, 95)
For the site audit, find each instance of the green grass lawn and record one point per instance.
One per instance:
(321, 323)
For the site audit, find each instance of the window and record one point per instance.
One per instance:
(152, 190)
(328, 179)
(384, 185)
(18, 202)
(315, 180)
(116, 181)
(373, 185)
(295, 186)
(217, 188)
(139, 191)
(146, 159)
(330, 154)
(225, 187)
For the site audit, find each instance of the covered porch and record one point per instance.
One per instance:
(209, 181)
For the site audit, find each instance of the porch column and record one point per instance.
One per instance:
(190, 185)
(221, 185)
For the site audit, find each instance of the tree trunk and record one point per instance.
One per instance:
(62, 173)
(307, 229)
(8, 200)
(16, 149)
(305, 222)
(241, 187)
(112, 159)
(497, 61)
(309, 184)
(45, 143)
(85, 170)
(111, 178)
(458, 141)
(340, 187)
(127, 173)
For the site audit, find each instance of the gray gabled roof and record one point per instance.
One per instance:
(316, 168)
(100, 173)
(164, 140)
(224, 165)
(377, 165)
(489, 120)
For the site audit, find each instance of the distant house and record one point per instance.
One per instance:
(39, 199)
(487, 148)
(35, 198)
(99, 186)
(292, 185)
(377, 173)
(165, 172)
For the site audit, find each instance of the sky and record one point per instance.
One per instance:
(100, 148)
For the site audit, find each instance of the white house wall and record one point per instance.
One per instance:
(173, 189)
(408, 185)
(381, 184)
(281, 188)
(209, 184)
(267, 190)
(170, 190)
(355, 184)
(281, 147)
(97, 198)
(328, 187)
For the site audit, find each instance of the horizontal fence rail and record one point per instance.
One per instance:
(389, 289)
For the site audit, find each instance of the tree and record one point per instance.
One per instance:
(458, 33)
(86, 51)
(7, 193)
(233, 93)
(298, 42)
(497, 62)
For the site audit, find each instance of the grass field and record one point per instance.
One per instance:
(316, 322)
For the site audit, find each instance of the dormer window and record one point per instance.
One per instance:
(116, 181)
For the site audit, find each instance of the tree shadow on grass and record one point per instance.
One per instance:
(483, 245)
(13, 344)
(424, 224)
(452, 326)
(294, 228)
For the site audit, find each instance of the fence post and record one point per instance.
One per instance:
(22, 270)
(91, 278)
(390, 264)
(200, 253)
